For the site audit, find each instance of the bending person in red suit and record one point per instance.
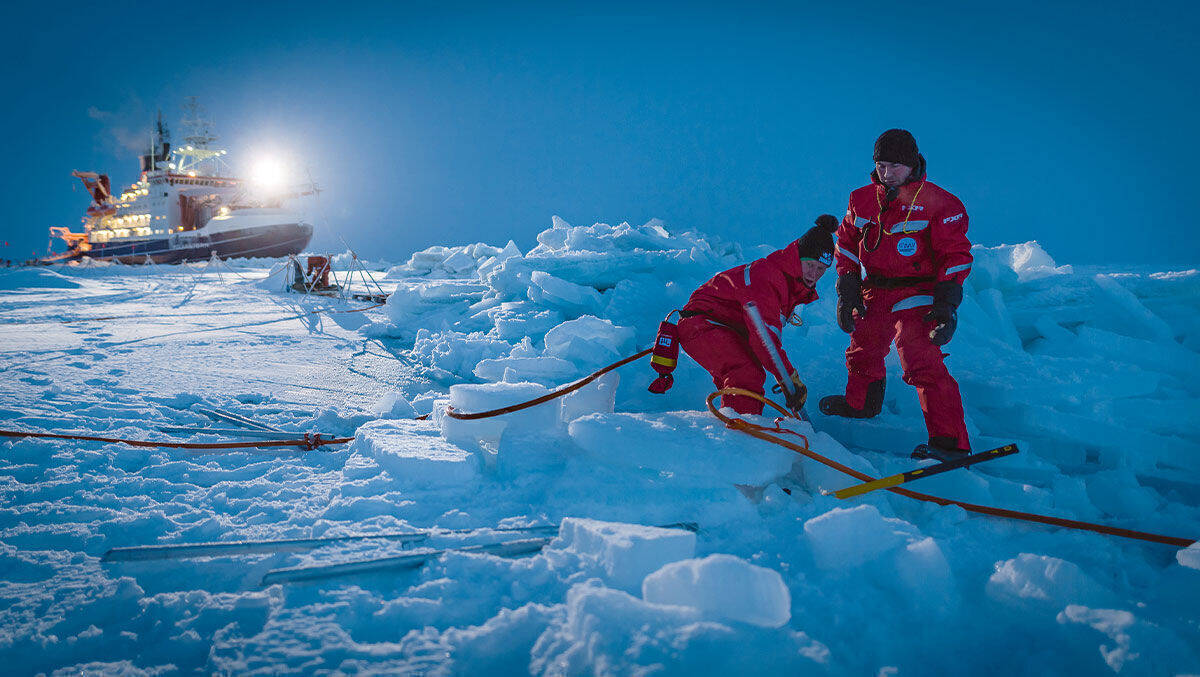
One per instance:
(910, 238)
(732, 324)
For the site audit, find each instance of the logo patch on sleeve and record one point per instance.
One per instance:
(952, 219)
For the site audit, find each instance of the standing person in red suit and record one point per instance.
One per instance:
(732, 324)
(910, 238)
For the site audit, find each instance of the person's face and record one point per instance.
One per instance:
(892, 174)
(811, 271)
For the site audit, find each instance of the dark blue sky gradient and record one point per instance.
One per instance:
(1073, 124)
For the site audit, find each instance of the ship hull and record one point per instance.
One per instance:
(272, 241)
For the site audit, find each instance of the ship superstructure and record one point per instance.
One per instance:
(185, 206)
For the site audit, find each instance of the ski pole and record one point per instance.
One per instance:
(409, 561)
(228, 548)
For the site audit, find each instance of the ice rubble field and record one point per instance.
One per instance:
(1095, 374)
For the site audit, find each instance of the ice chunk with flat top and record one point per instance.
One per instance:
(456, 352)
(922, 575)
(589, 340)
(1031, 262)
(413, 453)
(548, 290)
(599, 396)
(1139, 318)
(1189, 556)
(393, 405)
(625, 553)
(472, 398)
(684, 447)
(518, 320)
(1117, 492)
(606, 631)
(1029, 580)
(725, 587)
(888, 551)
(459, 262)
(847, 537)
(543, 370)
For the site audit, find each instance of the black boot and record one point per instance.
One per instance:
(940, 448)
(836, 405)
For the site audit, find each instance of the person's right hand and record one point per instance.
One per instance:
(796, 398)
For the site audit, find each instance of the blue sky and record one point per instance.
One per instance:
(1072, 124)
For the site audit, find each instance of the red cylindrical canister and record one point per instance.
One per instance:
(665, 356)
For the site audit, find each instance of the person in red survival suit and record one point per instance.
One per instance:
(910, 236)
(731, 325)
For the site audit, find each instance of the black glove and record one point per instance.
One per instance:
(795, 400)
(944, 313)
(796, 394)
(849, 291)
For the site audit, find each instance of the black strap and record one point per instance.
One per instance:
(884, 282)
(737, 329)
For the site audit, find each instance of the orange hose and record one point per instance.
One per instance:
(548, 396)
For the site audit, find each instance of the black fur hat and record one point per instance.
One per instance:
(897, 145)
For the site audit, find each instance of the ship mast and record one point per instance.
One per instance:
(160, 146)
(195, 158)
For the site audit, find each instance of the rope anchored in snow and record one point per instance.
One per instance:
(313, 441)
(770, 435)
(764, 433)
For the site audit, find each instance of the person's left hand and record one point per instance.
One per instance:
(944, 313)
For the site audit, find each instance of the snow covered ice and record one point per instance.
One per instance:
(1094, 372)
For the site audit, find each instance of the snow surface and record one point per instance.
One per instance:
(1094, 373)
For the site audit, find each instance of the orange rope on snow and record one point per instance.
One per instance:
(764, 433)
(312, 441)
(548, 396)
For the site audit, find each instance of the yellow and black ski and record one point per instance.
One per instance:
(893, 480)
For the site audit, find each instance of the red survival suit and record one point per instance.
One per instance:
(716, 331)
(905, 246)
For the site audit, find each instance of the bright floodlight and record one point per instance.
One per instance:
(269, 174)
